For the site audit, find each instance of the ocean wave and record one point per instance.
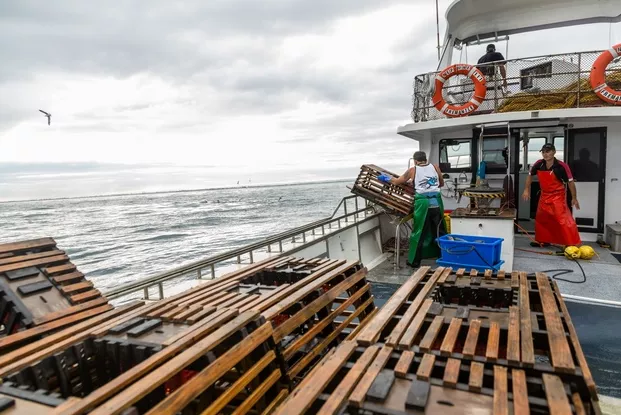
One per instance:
(164, 237)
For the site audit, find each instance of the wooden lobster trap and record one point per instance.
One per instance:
(398, 199)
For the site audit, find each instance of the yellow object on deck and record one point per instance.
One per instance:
(572, 252)
(447, 221)
(586, 252)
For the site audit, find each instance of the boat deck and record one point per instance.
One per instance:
(603, 272)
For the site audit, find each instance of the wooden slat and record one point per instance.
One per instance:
(515, 279)
(460, 272)
(488, 274)
(68, 289)
(370, 334)
(207, 310)
(29, 257)
(501, 274)
(473, 273)
(405, 320)
(403, 365)
(526, 338)
(34, 263)
(222, 316)
(27, 245)
(520, 392)
(559, 348)
(181, 317)
(60, 268)
(357, 397)
(426, 366)
(471, 339)
(513, 337)
(431, 334)
(444, 275)
(586, 372)
(85, 296)
(493, 340)
(73, 276)
(578, 405)
(339, 396)
(475, 383)
(555, 394)
(451, 372)
(451, 337)
(413, 329)
(501, 392)
(232, 302)
(282, 395)
(308, 390)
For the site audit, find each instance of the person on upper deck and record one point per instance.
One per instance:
(488, 69)
(554, 223)
(428, 213)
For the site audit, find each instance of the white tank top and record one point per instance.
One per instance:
(426, 179)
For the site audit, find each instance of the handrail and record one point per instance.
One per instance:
(211, 262)
(553, 81)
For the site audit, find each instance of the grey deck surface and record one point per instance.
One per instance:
(603, 273)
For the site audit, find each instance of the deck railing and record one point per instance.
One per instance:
(344, 215)
(535, 83)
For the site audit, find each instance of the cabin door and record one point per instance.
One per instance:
(586, 156)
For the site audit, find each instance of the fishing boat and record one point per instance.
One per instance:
(459, 122)
(570, 100)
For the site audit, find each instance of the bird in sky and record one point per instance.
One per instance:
(48, 115)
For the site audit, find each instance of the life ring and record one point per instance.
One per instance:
(598, 76)
(477, 98)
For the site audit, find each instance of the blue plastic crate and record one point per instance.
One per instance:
(470, 251)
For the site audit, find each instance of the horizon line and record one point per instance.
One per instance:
(176, 191)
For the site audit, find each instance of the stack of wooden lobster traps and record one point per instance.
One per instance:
(237, 344)
(397, 199)
(457, 342)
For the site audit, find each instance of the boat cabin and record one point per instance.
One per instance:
(464, 119)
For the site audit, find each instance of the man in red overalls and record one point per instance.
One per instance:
(554, 223)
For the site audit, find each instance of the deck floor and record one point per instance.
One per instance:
(603, 273)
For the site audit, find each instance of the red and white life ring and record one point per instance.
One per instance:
(598, 76)
(477, 98)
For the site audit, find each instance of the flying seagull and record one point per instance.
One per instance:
(48, 115)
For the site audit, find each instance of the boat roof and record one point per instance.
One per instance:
(471, 20)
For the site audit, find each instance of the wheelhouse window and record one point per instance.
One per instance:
(455, 155)
(495, 154)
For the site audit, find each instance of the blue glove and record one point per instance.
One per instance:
(384, 177)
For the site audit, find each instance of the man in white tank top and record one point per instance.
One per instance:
(428, 216)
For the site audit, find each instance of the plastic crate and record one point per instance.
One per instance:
(469, 251)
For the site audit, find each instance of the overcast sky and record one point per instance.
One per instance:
(164, 95)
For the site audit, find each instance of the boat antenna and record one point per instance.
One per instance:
(438, 28)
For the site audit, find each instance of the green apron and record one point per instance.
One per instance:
(430, 248)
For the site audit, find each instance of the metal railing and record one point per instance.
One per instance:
(535, 83)
(342, 216)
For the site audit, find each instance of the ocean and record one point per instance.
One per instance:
(118, 239)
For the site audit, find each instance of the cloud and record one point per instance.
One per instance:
(238, 85)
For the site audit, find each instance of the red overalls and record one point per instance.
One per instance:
(554, 223)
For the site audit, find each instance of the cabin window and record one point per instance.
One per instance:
(495, 154)
(456, 155)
